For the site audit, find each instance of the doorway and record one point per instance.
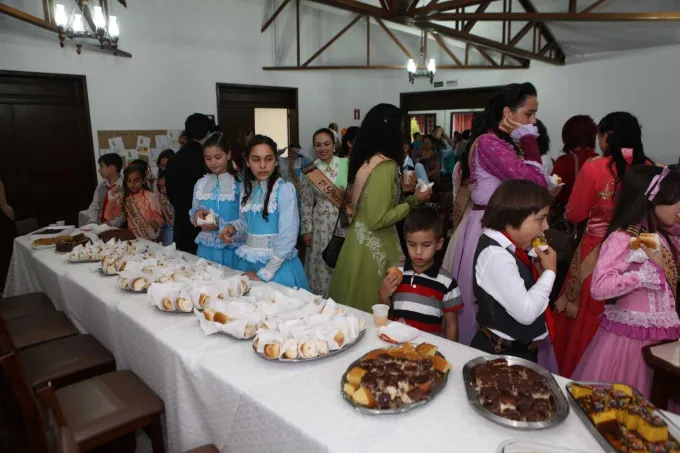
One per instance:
(265, 110)
(47, 156)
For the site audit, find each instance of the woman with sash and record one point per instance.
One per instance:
(141, 206)
(372, 244)
(322, 188)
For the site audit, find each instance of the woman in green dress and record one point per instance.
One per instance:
(372, 243)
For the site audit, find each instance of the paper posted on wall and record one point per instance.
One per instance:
(173, 139)
(116, 145)
(161, 142)
(143, 144)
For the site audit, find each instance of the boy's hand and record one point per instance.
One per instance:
(548, 259)
(388, 287)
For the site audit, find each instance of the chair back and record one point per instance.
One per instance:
(28, 404)
(59, 438)
(6, 343)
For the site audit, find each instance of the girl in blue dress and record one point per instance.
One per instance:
(270, 219)
(217, 191)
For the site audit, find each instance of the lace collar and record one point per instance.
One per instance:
(256, 201)
(207, 185)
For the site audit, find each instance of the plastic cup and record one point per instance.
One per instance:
(380, 315)
(406, 176)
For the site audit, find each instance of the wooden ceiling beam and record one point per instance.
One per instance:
(394, 38)
(356, 7)
(332, 40)
(471, 23)
(593, 6)
(443, 45)
(559, 17)
(543, 29)
(486, 56)
(400, 67)
(451, 4)
(522, 33)
(273, 17)
(572, 6)
(487, 43)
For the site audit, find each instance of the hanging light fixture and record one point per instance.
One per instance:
(96, 28)
(412, 66)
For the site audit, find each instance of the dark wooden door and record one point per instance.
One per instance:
(236, 106)
(49, 170)
(47, 160)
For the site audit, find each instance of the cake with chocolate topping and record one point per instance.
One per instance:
(514, 392)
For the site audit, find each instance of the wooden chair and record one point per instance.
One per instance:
(24, 305)
(95, 412)
(36, 329)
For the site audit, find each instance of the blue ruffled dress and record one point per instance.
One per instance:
(270, 244)
(221, 194)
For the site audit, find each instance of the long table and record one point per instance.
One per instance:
(217, 390)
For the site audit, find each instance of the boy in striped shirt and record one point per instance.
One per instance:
(423, 294)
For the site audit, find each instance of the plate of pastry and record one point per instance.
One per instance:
(514, 392)
(622, 419)
(395, 379)
(134, 285)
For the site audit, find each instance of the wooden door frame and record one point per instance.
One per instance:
(294, 123)
(89, 143)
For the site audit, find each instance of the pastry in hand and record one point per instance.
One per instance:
(650, 240)
(396, 272)
(539, 241)
(555, 179)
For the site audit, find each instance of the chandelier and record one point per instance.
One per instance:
(428, 70)
(75, 28)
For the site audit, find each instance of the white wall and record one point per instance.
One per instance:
(180, 50)
(273, 123)
(641, 82)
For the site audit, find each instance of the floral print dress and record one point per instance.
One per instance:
(319, 216)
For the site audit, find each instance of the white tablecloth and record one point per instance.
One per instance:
(217, 390)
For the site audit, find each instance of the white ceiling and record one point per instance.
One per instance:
(585, 38)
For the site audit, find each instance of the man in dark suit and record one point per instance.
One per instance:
(183, 170)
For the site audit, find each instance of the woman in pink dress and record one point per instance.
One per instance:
(503, 148)
(576, 312)
(638, 285)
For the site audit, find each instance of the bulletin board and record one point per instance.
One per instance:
(138, 144)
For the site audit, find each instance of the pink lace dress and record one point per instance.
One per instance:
(644, 313)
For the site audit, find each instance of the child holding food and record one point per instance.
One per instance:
(636, 273)
(215, 202)
(418, 290)
(512, 292)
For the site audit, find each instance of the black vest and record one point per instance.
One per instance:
(491, 314)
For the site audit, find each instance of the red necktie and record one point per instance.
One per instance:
(524, 258)
(106, 201)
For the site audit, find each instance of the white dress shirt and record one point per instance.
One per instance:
(497, 274)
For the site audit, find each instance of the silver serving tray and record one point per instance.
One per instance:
(560, 400)
(673, 429)
(319, 357)
(434, 391)
(101, 271)
(130, 290)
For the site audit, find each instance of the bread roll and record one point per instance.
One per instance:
(308, 349)
(139, 284)
(322, 346)
(122, 266)
(203, 300)
(220, 317)
(124, 283)
(539, 241)
(249, 331)
(364, 397)
(111, 269)
(272, 350)
(167, 304)
(650, 240)
(396, 272)
(185, 305)
(208, 314)
(339, 338)
(355, 374)
(291, 351)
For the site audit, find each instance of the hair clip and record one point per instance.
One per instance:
(655, 185)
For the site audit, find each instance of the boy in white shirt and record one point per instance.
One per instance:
(512, 291)
(110, 166)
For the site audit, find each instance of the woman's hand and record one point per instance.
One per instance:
(201, 214)
(654, 255)
(307, 238)
(507, 125)
(424, 196)
(410, 185)
(253, 276)
(227, 233)
(9, 212)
